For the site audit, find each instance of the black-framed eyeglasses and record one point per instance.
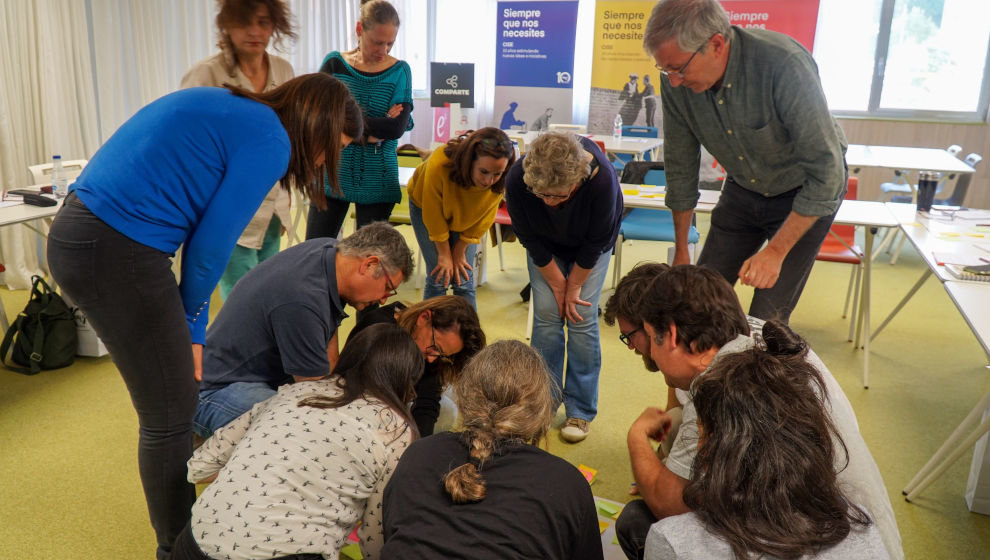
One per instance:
(549, 196)
(392, 290)
(624, 337)
(435, 350)
(680, 73)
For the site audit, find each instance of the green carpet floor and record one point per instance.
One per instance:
(68, 438)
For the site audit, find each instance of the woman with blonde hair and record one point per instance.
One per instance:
(245, 28)
(566, 208)
(453, 197)
(512, 499)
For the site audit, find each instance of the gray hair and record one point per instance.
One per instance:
(554, 161)
(380, 239)
(691, 22)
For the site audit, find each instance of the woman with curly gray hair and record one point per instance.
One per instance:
(513, 499)
(566, 208)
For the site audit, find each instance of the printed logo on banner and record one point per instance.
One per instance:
(535, 44)
(441, 124)
(451, 83)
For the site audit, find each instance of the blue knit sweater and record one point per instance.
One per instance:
(190, 169)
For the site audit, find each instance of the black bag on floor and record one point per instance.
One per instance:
(44, 334)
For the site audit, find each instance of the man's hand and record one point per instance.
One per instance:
(762, 269)
(653, 423)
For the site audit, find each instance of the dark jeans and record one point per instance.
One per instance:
(327, 223)
(632, 527)
(741, 222)
(186, 549)
(129, 295)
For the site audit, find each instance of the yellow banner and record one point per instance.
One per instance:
(618, 51)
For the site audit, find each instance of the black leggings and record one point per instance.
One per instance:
(327, 223)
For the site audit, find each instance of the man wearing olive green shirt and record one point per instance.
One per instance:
(753, 99)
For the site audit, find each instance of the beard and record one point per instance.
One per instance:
(650, 364)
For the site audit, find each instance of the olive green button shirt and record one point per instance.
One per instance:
(768, 125)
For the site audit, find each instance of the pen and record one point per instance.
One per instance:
(985, 260)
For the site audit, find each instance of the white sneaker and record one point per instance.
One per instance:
(574, 430)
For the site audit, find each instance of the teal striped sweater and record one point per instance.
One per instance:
(369, 174)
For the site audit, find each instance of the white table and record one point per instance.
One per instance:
(973, 301)
(902, 157)
(24, 214)
(636, 147)
(860, 213)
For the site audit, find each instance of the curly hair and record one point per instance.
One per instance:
(233, 13)
(464, 150)
(765, 477)
(504, 397)
(699, 301)
(449, 313)
(555, 161)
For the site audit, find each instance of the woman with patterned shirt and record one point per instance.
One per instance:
(382, 85)
(295, 475)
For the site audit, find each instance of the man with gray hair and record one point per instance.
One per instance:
(753, 99)
(279, 324)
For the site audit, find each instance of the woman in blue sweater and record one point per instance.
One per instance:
(382, 85)
(189, 169)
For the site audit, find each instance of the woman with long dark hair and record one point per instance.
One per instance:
(453, 197)
(510, 498)
(295, 475)
(189, 169)
(764, 480)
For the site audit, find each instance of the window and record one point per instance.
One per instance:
(918, 59)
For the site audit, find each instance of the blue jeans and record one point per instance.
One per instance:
(244, 259)
(219, 407)
(433, 288)
(741, 222)
(129, 295)
(584, 351)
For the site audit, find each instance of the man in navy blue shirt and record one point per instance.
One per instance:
(279, 324)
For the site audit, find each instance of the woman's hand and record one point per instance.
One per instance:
(394, 111)
(461, 266)
(560, 295)
(572, 299)
(197, 352)
(443, 272)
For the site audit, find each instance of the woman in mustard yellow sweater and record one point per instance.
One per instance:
(453, 197)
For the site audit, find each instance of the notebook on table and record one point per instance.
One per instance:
(970, 273)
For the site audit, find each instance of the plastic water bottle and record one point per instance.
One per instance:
(617, 127)
(60, 185)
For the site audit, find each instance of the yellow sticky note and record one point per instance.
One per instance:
(351, 552)
(630, 192)
(588, 472)
(602, 526)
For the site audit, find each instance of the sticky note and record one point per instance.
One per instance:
(353, 537)
(607, 509)
(601, 527)
(630, 192)
(615, 539)
(588, 472)
(351, 552)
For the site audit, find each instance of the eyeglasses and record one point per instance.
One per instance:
(392, 290)
(435, 350)
(548, 196)
(680, 73)
(624, 337)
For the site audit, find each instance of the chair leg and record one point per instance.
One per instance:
(617, 262)
(529, 319)
(897, 253)
(855, 308)
(498, 241)
(845, 306)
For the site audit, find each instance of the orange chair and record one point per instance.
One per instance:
(840, 246)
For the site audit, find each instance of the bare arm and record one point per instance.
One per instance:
(762, 269)
(661, 489)
(682, 227)
(197, 352)
(333, 354)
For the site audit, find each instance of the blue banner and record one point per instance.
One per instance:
(535, 44)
